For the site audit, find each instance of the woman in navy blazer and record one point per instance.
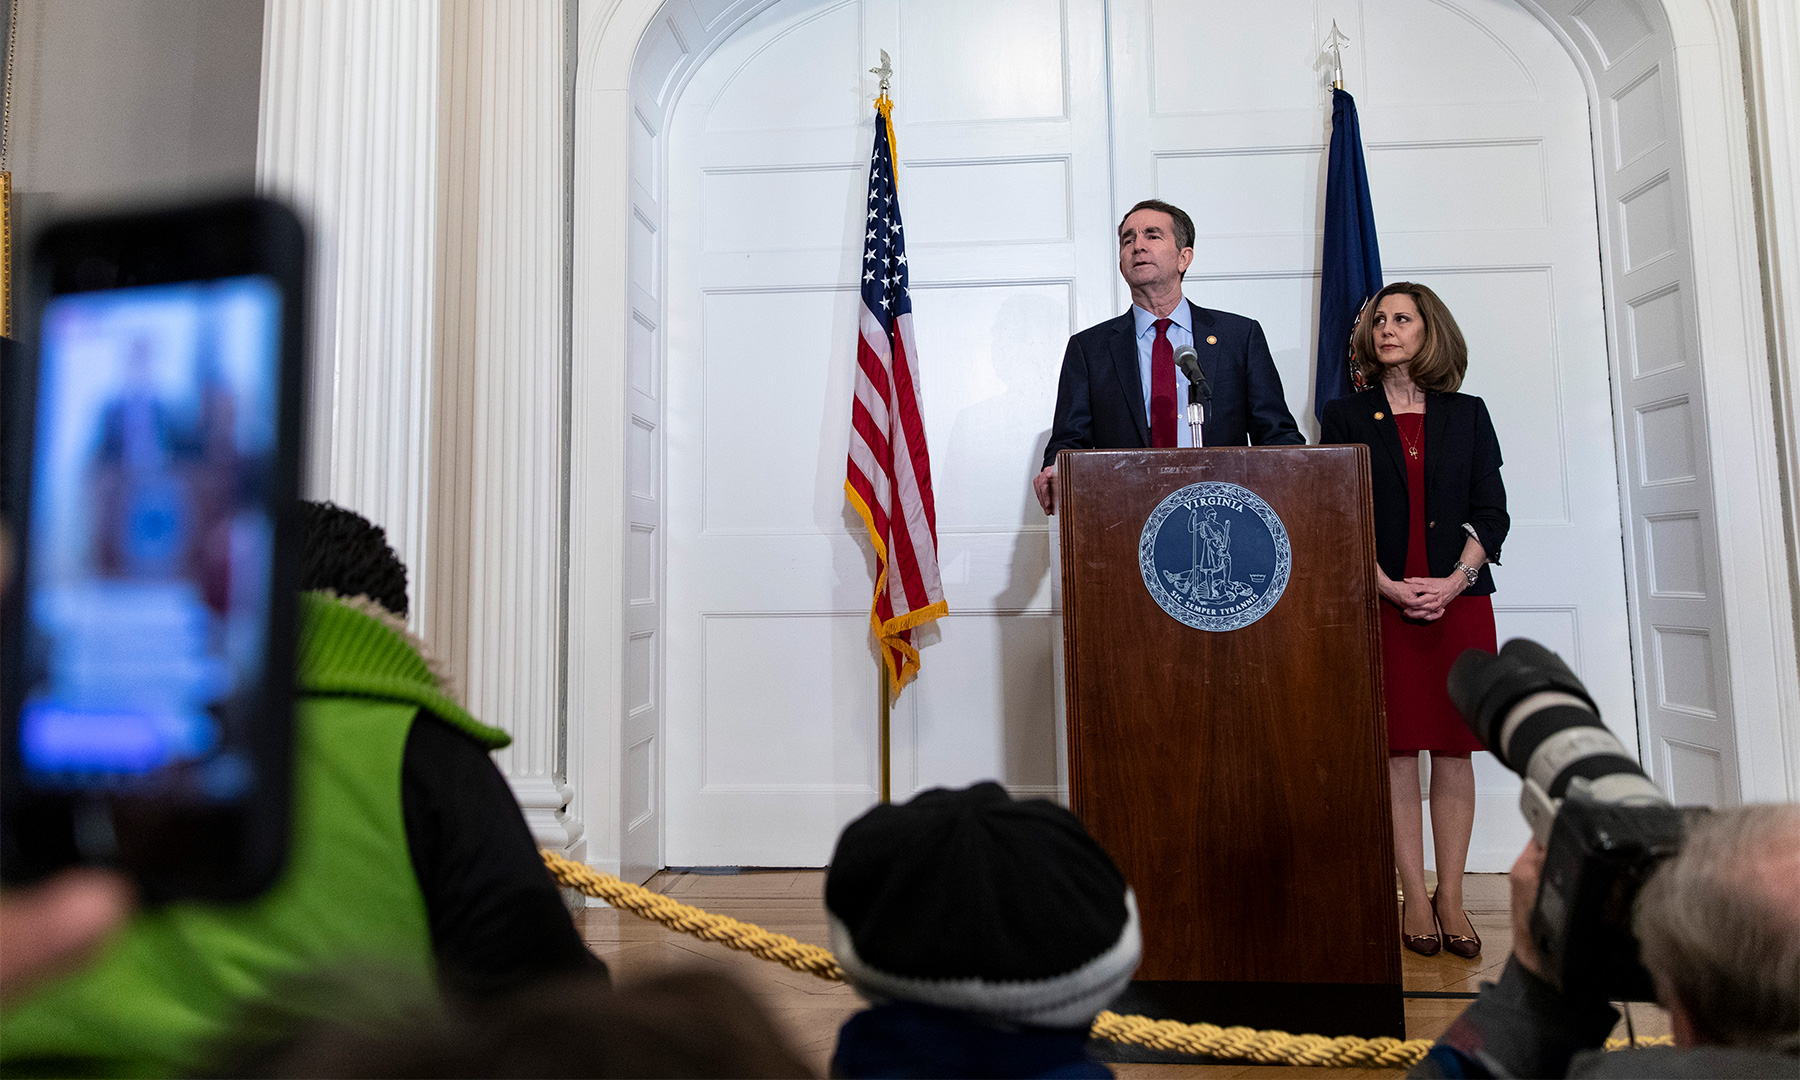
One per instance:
(1440, 518)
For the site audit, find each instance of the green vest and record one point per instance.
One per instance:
(167, 992)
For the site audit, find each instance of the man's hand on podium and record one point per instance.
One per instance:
(1045, 486)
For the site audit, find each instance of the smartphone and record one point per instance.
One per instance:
(153, 468)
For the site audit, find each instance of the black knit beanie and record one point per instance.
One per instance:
(974, 901)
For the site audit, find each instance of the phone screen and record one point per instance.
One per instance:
(148, 579)
(152, 450)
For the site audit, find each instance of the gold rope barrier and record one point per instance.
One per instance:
(675, 915)
(1240, 1043)
(1262, 1047)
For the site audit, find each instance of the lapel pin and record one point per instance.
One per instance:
(1211, 340)
(1380, 416)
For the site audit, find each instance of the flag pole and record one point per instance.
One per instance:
(885, 714)
(887, 711)
(1335, 44)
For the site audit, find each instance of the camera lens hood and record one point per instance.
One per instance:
(1485, 686)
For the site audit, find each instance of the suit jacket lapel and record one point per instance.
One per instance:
(1125, 365)
(1435, 421)
(1387, 429)
(1199, 320)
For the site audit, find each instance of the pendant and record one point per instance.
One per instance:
(1412, 451)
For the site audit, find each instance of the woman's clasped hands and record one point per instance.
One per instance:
(1422, 598)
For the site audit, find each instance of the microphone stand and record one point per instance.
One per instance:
(1199, 397)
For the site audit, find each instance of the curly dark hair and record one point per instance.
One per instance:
(345, 552)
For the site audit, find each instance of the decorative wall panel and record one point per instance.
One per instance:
(1684, 659)
(794, 481)
(1271, 192)
(802, 208)
(812, 672)
(1639, 116)
(1556, 628)
(1516, 365)
(1665, 432)
(1677, 556)
(989, 710)
(1453, 187)
(1192, 75)
(1423, 52)
(639, 776)
(640, 564)
(950, 60)
(1648, 216)
(987, 414)
(1658, 336)
(764, 96)
(992, 202)
(640, 671)
(1615, 26)
(1696, 774)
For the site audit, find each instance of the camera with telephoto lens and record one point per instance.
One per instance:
(1604, 826)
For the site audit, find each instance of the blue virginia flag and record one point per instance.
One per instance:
(1352, 270)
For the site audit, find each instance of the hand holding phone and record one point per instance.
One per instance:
(150, 634)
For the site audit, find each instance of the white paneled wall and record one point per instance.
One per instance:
(760, 201)
(1684, 701)
(1475, 128)
(770, 680)
(423, 141)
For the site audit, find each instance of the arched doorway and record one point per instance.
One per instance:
(679, 36)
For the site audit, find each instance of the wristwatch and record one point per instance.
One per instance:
(1473, 575)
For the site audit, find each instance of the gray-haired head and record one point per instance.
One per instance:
(1719, 926)
(1184, 225)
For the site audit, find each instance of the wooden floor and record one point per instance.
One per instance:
(791, 902)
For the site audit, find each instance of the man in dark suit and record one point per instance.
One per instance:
(1120, 387)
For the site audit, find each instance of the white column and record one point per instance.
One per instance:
(1770, 39)
(423, 141)
(348, 134)
(610, 33)
(499, 510)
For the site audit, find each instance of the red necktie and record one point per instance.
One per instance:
(1162, 387)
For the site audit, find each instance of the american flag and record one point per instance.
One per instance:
(888, 480)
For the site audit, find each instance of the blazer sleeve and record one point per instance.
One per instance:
(1270, 423)
(1487, 494)
(1332, 428)
(1073, 428)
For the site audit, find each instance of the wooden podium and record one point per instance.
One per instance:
(1239, 777)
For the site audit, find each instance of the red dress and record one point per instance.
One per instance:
(1416, 656)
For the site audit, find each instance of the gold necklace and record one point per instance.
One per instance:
(1412, 449)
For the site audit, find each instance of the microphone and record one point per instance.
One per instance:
(1188, 360)
(1199, 390)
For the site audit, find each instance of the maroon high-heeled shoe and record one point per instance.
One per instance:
(1456, 944)
(1424, 944)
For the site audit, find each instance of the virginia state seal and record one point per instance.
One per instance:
(1215, 556)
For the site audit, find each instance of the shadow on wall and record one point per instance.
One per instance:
(1002, 439)
(131, 100)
